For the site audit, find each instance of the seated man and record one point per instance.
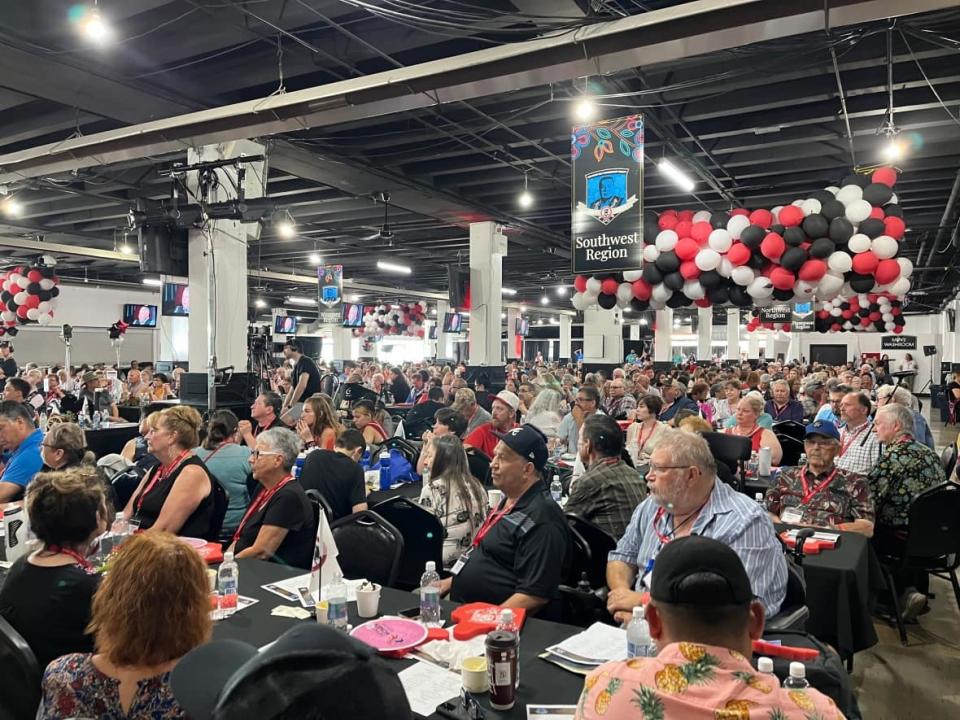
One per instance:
(781, 406)
(486, 437)
(20, 440)
(465, 403)
(587, 403)
(820, 493)
(610, 489)
(337, 474)
(703, 619)
(686, 498)
(831, 409)
(674, 400)
(859, 447)
(420, 417)
(522, 552)
(620, 405)
(265, 412)
(901, 396)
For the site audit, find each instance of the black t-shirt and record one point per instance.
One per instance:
(289, 508)
(485, 399)
(50, 607)
(199, 523)
(419, 418)
(10, 369)
(338, 478)
(308, 366)
(527, 551)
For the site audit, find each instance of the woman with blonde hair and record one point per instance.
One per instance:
(151, 609)
(65, 446)
(746, 425)
(318, 425)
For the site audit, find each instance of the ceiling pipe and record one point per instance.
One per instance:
(947, 216)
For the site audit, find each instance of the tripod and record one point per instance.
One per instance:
(259, 361)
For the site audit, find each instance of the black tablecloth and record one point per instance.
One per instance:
(130, 413)
(407, 490)
(112, 439)
(540, 682)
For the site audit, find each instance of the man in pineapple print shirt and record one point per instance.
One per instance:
(703, 618)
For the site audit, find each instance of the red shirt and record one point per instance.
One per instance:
(485, 438)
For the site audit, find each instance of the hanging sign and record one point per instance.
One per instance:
(803, 317)
(898, 342)
(776, 313)
(330, 282)
(607, 206)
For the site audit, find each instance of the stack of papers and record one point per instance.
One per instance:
(824, 537)
(584, 651)
(427, 686)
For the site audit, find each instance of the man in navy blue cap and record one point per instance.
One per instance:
(819, 493)
(521, 552)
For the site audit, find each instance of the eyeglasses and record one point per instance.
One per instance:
(50, 447)
(652, 468)
(257, 453)
(583, 400)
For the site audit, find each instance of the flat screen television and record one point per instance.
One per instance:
(522, 327)
(285, 325)
(352, 315)
(176, 299)
(433, 332)
(140, 315)
(452, 322)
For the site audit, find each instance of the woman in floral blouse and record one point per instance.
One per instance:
(453, 495)
(152, 607)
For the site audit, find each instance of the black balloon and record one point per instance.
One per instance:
(872, 228)
(844, 306)
(607, 302)
(652, 274)
(639, 305)
(864, 312)
(822, 196)
(54, 291)
(752, 236)
(12, 331)
(796, 236)
(815, 225)
(877, 193)
(678, 300)
(832, 209)
(778, 229)
(45, 271)
(650, 226)
(899, 320)
(854, 179)
(674, 281)
(668, 262)
(757, 261)
(861, 283)
(719, 220)
(893, 209)
(739, 296)
(33, 288)
(783, 295)
(793, 258)
(841, 230)
(44, 295)
(5, 297)
(719, 295)
(710, 279)
(12, 306)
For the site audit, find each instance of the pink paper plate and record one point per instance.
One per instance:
(391, 634)
(195, 543)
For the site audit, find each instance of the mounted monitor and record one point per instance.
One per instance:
(285, 325)
(140, 315)
(433, 332)
(352, 316)
(176, 299)
(522, 327)
(452, 322)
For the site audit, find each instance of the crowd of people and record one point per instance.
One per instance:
(643, 473)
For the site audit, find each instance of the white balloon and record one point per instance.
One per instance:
(863, 299)
(694, 290)
(726, 267)
(776, 213)
(797, 203)
(829, 285)
(661, 293)
(33, 314)
(760, 288)
(764, 301)
(23, 281)
(579, 301)
(858, 211)
(631, 275)
(666, 240)
(651, 253)
(900, 287)
(45, 318)
(20, 298)
(707, 259)
(859, 243)
(593, 286)
(884, 247)
(737, 224)
(810, 206)
(893, 200)
(805, 289)
(44, 306)
(832, 189)
(8, 316)
(591, 294)
(49, 260)
(624, 292)
(742, 275)
(657, 304)
(887, 317)
(850, 193)
(836, 312)
(906, 267)
(46, 284)
(720, 240)
(622, 302)
(702, 216)
(840, 262)
(890, 326)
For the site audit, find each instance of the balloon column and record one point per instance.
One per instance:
(117, 330)
(403, 319)
(29, 294)
(836, 244)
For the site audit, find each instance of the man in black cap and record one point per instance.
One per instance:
(521, 553)
(311, 672)
(703, 618)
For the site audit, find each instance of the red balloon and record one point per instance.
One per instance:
(739, 211)
(885, 175)
(609, 286)
(865, 321)
(683, 228)
(703, 302)
(580, 283)
(670, 211)
(887, 271)
(894, 227)
(836, 327)
(701, 231)
(22, 311)
(790, 215)
(667, 222)
(782, 278)
(895, 311)
(846, 314)
(685, 216)
(854, 304)
(812, 270)
(785, 327)
(898, 329)
(687, 248)
(772, 246)
(762, 217)
(689, 270)
(823, 314)
(32, 301)
(877, 213)
(641, 289)
(875, 315)
(872, 297)
(738, 254)
(865, 263)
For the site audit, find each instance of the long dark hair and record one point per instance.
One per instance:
(221, 426)
(450, 466)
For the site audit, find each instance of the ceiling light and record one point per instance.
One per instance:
(153, 282)
(643, 321)
(554, 321)
(286, 230)
(293, 300)
(503, 316)
(673, 173)
(260, 303)
(433, 311)
(584, 109)
(544, 300)
(126, 249)
(525, 199)
(94, 27)
(562, 290)
(314, 258)
(11, 208)
(894, 149)
(354, 298)
(541, 322)
(393, 267)
(508, 291)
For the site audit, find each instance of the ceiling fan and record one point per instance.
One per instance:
(384, 233)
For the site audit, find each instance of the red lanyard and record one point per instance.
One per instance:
(664, 539)
(218, 449)
(844, 446)
(261, 428)
(808, 494)
(641, 441)
(262, 499)
(77, 558)
(779, 411)
(161, 474)
(492, 519)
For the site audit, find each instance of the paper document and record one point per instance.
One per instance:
(427, 686)
(817, 535)
(297, 589)
(598, 644)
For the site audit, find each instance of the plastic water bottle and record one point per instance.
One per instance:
(43, 421)
(337, 603)
(797, 679)
(430, 596)
(365, 459)
(298, 465)
(803, 460)
(426, 477)
(764, 461)
(385, 479)
(228, 585)
(639, 642)
(96, 419)
(120, 529)
(759, 498)
(765, 666)
(556, 488)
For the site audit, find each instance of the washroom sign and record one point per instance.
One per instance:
(607, 203)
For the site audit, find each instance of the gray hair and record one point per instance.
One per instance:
(903, 416)
(284, 442)
(547, 400)
(688, 449)
(777, 383)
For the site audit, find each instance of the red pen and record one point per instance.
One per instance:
(762, 647)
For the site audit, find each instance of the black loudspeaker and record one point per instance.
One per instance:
(929, 350)
(459, 287)
(163, 249)
(495, 375)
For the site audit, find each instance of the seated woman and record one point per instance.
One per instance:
(363, 420)
(278, 525)
(544, 412)
(65, 446)
(446, 421)
(646, 431)
(748, 413)
(136, 450)
(47, 594)
(151, 609)
(229, 463)
(700, 394)
(177, 495)
(318, 425)
(454, 496)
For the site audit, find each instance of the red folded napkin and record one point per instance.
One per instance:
(810, 547)
(211, 553)
(478, 618)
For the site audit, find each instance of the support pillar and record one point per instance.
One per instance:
(733, 334)
(342, 340)
(488, 246)
(704, 333)
(663, 336)
(955, 336)
(602, 337)
(753, 353)
(514, 348)
(565, 349)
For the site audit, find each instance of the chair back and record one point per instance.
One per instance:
(790, 428)
(369, 546)
(935, 524)
(422, 534)
(220, 502)
(320, 503)
(793, 612)
(581, 557)
(20, 672)
(732, 450)
(125, 483)
(598, 541)
(479, 465)
(949, 459)
(404, 447)
(792, 450)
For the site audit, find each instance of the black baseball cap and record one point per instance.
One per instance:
(529, 443)
(310, 665)
(697, 570)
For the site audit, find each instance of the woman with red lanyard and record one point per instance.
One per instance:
(318, 425)
(177, 495)
(363, 420)
(229, 462)
(278, 525)
(748, 412)
(644, 434)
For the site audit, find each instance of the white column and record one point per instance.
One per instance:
(513, 314)
(753, 352)
(663, 336)
(565, 350)
(777, 344)
(955, 349)
(634, 331)
(733, 334)
(704, 333)
(488, 246)
(445, 340)
(602, 336)
(218, 265)
(342, 339)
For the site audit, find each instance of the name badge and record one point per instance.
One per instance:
(791, 516)
(458, 565)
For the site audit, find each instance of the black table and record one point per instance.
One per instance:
(541, 683)
(112, 439)
(130, 413)
(407, 490)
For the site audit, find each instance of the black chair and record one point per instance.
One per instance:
(125, 483)
(479, 465)
(321, 503)
(410, 451)
(369, 547)
(792, 450)
(600, 543)
(790, 428)
(949, 459)
(220, 502)
(732, 450)
(794, 613)
(932, 543)
(20, 672)
(422, 538)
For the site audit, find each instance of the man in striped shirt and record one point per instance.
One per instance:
(686, 498)
(859, 446)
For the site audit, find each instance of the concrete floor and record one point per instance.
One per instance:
(922, 680)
